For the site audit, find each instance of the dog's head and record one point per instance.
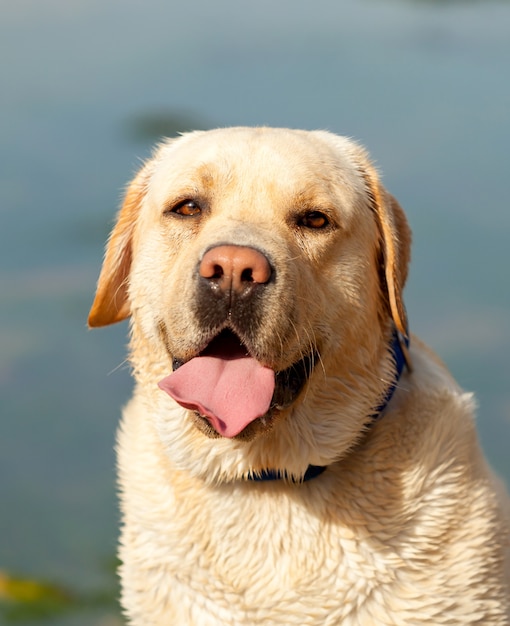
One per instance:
(263, 272)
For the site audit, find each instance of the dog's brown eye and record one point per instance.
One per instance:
(314, 219)
(187, 208)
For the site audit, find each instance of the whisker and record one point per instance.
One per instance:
(121, 365)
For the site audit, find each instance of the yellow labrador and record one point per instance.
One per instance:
(289, 456)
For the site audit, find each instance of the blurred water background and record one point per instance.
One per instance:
(86, 87)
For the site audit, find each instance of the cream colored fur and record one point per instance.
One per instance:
(407, 525)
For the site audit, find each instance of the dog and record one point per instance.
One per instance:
(291, 453)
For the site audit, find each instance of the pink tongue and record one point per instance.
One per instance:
(230, 392)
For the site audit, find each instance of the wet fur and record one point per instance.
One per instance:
(408, 524)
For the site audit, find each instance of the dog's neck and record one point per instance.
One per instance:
(398, 347)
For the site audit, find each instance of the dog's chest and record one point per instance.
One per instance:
(263, 557)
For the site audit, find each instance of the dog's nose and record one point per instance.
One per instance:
(235, 268)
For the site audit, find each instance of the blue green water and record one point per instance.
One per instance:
(84, 89)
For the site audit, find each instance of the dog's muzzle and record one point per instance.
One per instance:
(232, 393)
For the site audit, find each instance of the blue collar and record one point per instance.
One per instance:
(399, 344)
(311, 472)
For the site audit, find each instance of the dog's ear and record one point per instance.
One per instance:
(111, 301)
(395, 237)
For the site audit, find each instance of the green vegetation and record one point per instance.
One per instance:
(25, 600)
(153, 126)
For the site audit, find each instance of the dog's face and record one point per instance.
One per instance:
(262, 269)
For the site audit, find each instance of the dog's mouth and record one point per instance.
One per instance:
(233, 391)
